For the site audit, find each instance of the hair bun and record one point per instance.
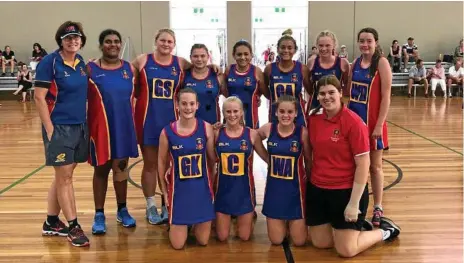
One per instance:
(288, 32)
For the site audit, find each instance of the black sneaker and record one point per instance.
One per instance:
(388, 225)
(58, 229)
(377, 215)
(77, 237)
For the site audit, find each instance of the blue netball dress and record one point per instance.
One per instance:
(190, 191)
(235, 194)
(287, 83)
(245, 86)
(286, 177)
(318, 72)
(208, 95)
(155, 103)
(110, 114)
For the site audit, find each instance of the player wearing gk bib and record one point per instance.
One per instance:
(111, 126)
(160, 76)
(188, 144)
(246, 81)
(337, 195)
(61, 98)
(235, 189)
(370, 99)
(206, 83)
(289, 161)
(326, 63)
(287, 77)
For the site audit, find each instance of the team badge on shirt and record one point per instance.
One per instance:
(83, 72)
(199, 144)
(125, 75)
(173, 71)
(243, 145)
(294, 147)
(248, 81)
(294, 77)
(209, 84)
(335, 135)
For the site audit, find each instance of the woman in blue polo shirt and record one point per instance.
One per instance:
(60, 96)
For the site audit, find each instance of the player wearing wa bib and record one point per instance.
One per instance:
(190, 193)
(235, 194)
(365, 98)
(155, 105)
(287, 83)
(286, 177)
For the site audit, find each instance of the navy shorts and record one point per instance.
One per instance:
(327, 206)
(68, 144)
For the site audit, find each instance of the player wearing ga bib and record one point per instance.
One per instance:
(159, 84)
(286, 177)
(208, 90)
(365, 98)
(317, 72)
(110, 113)
(235, 194)
(190, 192)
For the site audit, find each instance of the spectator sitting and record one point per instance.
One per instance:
(418, 75)
(343, 53)
(37, 54)
(456, 75)
(8, 59)
(410, 53)
(24, 81)
(458, 51)
(394, 57)
(437, 75)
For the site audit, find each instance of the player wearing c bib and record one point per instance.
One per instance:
(370, 98)
(235, 189)
(289, 162)
(188, 144)
(287, 77)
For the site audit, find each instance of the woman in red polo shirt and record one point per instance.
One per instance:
(337, 196)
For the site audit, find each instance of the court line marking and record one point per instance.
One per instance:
(423, 137)
(20, 180)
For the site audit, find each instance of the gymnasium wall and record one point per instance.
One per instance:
(436, 26)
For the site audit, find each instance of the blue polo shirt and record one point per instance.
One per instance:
(67, 88)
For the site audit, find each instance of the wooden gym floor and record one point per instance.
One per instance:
(427, 202)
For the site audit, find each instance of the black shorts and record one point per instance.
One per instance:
(69, 144)
(327, 206)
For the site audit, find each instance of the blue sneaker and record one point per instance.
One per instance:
(164, 214)
(124, 218)
(99, 225)
(153, 217)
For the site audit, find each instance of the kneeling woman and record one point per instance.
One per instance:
(188, 144)
(235, 194)
(289, 162)
(337, 195)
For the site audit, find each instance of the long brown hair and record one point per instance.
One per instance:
(377, 52)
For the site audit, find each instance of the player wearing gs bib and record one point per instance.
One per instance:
(287, 77)
(326, 63)
(289, 162)
(188, 144)
(370, 99)
(111, 126)
(235, 189)
(246, 81)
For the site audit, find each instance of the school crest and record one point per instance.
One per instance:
(248, 81)
(199, 144)
(243, 145)
(294, 77)
(209, 84)
(335, 135)
(294, 147)
(125, 75)
(173, 71)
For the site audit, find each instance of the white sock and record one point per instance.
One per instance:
(150, 201)
(385, 234)
(378, 206)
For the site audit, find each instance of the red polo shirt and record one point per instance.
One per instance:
(335, 142)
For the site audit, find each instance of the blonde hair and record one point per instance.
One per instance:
(327, 33)
(240, 103)
(165, 30)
